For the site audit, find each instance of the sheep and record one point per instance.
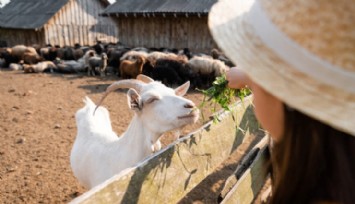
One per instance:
(19, 52)
(5, 53)
(186, 52)
(148, 68)
(74, 66)
(114, 55)
(66, 53)
(45, 66)
(179, 64)
(87, 56)
(216, 54)
(69, 66)
(167, 75)
(97, 62)
(2, 62)
(15, 66)
(154, 56)
(141, 49)
(78, 53)
(171, 71)
(52, 54)
(131, 69)
(31, 58)
(132, 55)
(207, 68)
(48, 53)
(99, 47)
(98, 154)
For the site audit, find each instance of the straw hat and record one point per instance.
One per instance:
(301, 51)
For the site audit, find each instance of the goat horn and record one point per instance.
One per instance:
(127, 83)
(144, 78)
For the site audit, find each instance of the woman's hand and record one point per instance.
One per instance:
(237, 78)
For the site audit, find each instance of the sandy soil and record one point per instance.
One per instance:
(37, 130)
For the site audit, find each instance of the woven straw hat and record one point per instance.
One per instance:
(302, 52)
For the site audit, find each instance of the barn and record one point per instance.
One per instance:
(56, 22)
(163, 23)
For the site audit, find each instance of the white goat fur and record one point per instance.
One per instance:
(98, 153)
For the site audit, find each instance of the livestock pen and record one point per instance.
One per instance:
(172, 174)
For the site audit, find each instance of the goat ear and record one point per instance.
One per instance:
(182, 90)
(134, 100)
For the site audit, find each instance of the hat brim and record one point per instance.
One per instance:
(235, 36)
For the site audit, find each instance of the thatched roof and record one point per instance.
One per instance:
(167, 7)
(31, 14)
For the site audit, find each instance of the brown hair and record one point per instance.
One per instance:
(313, 162)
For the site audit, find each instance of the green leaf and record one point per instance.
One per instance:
(220, 93)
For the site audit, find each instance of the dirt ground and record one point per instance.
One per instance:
(37, 130)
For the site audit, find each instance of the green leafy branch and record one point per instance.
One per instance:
(220, 93)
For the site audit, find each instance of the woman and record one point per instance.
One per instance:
(298, 57)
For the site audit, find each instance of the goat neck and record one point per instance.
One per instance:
(138, 135)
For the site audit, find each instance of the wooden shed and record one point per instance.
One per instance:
(163, 23)
(56, 22)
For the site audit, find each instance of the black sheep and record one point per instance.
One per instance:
(180, 68)
(99, 48)
(114, 56)
(166, 75)
(147, 68)
(8, 58)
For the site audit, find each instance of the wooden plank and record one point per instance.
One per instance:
(250, 183)
(170, 174)
(242, 167)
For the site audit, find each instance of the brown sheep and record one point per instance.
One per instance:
(131, 69)
(19, 52)
(31, 58)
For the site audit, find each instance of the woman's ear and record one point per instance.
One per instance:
(134, 100)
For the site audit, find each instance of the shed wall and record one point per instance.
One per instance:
(79, 22)
(170, 32)
(14, 37)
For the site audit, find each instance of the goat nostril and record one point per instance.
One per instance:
(188, 105)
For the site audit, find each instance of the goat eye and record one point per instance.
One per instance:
(151, 100)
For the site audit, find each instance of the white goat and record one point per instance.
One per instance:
(98, 153)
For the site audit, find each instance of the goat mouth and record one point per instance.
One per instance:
(190, 115)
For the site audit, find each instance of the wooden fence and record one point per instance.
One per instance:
(170, 174)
